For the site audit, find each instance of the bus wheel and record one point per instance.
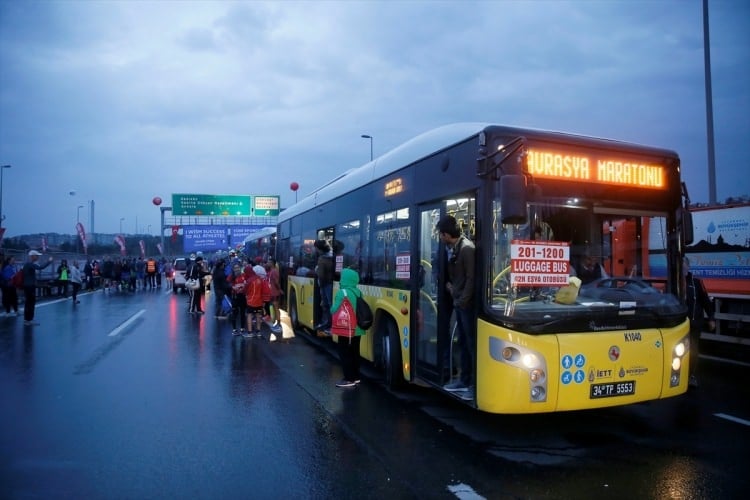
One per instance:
(293, 313)
(391, 356)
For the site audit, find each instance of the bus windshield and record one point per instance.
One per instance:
(578, 265)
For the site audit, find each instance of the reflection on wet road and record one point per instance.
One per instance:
(129, 396)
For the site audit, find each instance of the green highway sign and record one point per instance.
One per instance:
(243, 205)
(266, 206)
(211, 204)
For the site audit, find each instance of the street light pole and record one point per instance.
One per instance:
(162, 210)
(78, 221)
(2, 216)
(121, 219)
(365, 136)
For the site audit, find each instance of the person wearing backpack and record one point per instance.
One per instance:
(254, 298)
(239, 304)
(10, 293)
(349, 347)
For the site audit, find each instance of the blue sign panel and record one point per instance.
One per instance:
(239, 233)
(204, 238)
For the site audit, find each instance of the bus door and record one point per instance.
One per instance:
(427, 296)
(326, 234)
(435, 321)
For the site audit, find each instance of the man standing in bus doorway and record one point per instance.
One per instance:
(460, 284)
(698, 303)
(324, 271)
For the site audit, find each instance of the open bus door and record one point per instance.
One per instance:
(434, 326)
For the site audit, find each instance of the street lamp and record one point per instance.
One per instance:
(78, 221)
(121, 219)
(365, 136)
(149, 229)
(2, 217)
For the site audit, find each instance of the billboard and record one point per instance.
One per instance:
(243, 205)
(213, 238)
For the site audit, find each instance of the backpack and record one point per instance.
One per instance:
(364, 314)
(17, 279)
(254, 293)
(343, 321)
(266, 290)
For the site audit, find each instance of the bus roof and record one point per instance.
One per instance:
(430, 143)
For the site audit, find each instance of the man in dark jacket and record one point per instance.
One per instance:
(698, 303)
(29, 285)
(324, 272)
(460, 285)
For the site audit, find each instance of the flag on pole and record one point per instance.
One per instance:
(82, 235)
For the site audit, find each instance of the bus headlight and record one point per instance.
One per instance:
(523, 363)
(536, 375)
(676, 364)
(538, 393)
(530, 360)
(511, 354)
(679, 349)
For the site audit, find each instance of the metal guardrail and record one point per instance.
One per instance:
(732, 315)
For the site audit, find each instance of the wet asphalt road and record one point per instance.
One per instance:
(128, 396)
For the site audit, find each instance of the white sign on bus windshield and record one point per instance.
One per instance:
(539, 263)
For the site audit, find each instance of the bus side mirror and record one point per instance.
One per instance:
(687, 226)
(513, 199)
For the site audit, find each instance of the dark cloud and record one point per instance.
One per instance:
(123, 101)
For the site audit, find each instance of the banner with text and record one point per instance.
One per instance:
(243, 205)
(214, 238)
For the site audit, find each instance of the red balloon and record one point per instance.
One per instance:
(294, 186)
(156, 201)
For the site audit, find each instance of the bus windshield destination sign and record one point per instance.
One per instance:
(617, 171)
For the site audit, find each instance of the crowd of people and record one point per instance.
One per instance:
(252, 290)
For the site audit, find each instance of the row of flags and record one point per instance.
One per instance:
(119, 239)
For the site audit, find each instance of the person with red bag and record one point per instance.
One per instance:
(237, 283)
(345, 301)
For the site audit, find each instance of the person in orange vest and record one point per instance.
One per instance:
(151, 272)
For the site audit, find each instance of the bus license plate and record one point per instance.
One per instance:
(609, 390)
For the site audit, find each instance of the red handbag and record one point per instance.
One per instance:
(344, 321)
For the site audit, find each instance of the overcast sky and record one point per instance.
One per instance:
(124, 101)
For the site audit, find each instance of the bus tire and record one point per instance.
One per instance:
(391, 356)
(293, 313)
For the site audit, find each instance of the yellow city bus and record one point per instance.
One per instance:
(535, 204)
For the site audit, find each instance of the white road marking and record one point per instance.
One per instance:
(464, 492)
(125, 325)
(733, 419)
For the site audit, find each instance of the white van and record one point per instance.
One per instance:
(180, 266)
